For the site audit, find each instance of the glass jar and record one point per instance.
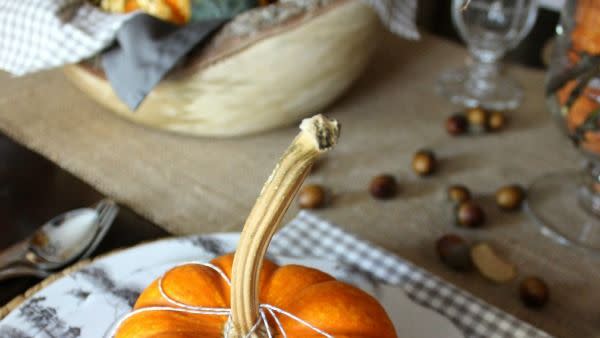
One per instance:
(567, 204)
(573, 84)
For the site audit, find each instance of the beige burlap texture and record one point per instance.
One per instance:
(191, 185)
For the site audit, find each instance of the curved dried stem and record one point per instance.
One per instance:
(318, 134)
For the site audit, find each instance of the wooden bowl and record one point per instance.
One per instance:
(263, 79)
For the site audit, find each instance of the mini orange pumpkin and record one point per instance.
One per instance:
(302, 302)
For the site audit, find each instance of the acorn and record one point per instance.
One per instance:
(424, 162)
(496, 121)
(312, 197)
(534, 292)
(457, 124)
(383, 186)
(454, 251)
(470, 215)
(458, 194)
(510, 197)
(478, 119)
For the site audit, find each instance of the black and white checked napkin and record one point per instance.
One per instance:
(308, 235)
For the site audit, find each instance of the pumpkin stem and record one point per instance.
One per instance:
(318, 134)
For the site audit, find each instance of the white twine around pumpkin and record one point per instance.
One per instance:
(218, 311)
(276, 319)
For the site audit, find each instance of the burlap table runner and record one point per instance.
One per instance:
(193, 185)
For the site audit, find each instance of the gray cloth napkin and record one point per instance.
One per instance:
(146, 49)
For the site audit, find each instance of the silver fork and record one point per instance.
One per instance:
(21, 271)
(107, 212)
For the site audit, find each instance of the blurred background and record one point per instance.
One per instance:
(32, 189)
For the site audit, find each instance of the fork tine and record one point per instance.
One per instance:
(106, 210)
(108, 216)
(100, 211)
(104, 204)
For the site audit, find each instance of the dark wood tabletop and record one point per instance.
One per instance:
(33, 190)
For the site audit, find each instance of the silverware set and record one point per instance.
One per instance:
(62, 241)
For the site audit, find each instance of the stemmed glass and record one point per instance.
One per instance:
(490, 28)
(567, 204)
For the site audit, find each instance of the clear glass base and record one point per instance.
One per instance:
(563, 208)
(501, 93)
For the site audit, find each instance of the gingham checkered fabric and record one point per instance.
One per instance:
(309, 235)
(42, 34)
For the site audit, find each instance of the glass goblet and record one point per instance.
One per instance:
(490, 28)
(567, 204)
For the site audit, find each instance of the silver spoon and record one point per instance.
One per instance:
(61, 241)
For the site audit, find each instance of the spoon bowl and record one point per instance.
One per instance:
(62, 240)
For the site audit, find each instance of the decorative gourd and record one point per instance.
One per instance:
(176, 11)
(262, 299)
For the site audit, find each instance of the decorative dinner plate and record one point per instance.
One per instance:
(87, 303)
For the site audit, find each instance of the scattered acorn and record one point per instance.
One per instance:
(475, 120)
(469, 214)
(383, 186)
(510, 197)
(457, 124)
(478, 119)
(496, 121)
(492, 266)
(458, 194)
(534, 292)
(454, 251)
(312, 197)
(424, 162)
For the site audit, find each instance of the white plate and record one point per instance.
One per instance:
(88, 302)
